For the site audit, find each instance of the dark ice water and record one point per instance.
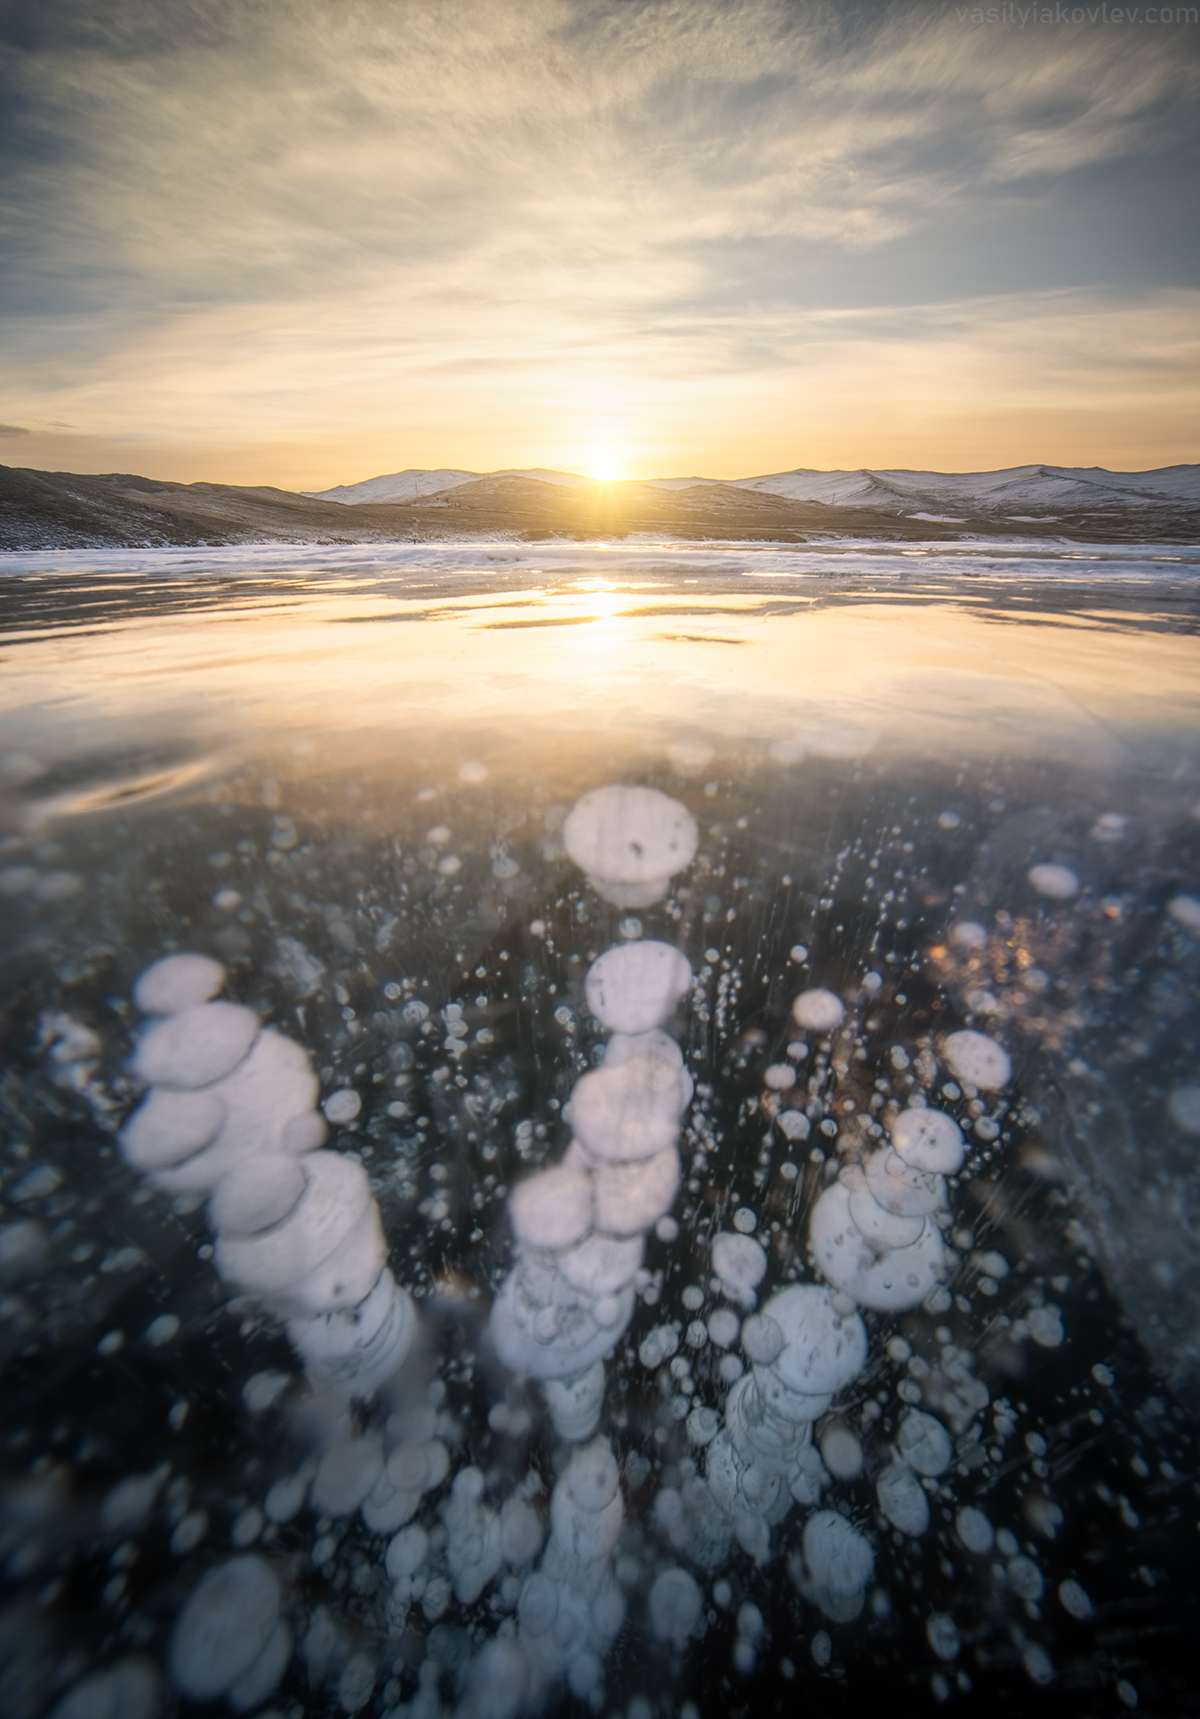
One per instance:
(345, 776)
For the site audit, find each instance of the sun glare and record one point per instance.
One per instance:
(604, 466)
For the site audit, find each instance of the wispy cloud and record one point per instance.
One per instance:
(219, 213)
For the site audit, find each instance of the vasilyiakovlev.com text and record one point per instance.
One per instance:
(1019, 16)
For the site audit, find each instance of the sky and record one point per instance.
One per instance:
(304, 242)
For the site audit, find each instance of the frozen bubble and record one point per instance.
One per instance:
(356, 1684)
(247, 1526)
(884, 1228)
(739, 1262)
(635, 987)
(745, 1221)
(928, 1140)
(1025, 1578)
(968, 934)
(575, 1403)
(689, 756)
(824, 1348)
(924, 1443)
(974, 1529)
(818, 1010)
(162, 1330)
(169, 1127)
(1075, 1599)
(496, 1683)
(17, 879)
(225, 1624)
(178, 982)
(127, 1505)
(630, 841)
(630, 1197)
(902, 1499)
(723, 1327)
(472, 772)
(887, 1282)
(592, 1477)
(703, 1425)
(600, 1265)
(762, 1339)
(1038, 1665)
(1046, 1326)
(841, 1452)
(675, 1606)
(1183, 1107)
(1056, 882)
(251, 1689)
(821, 1648)
(127, 1690)
(658, 1346)
(552, 1209)
(1109, 827)
(628, 1111)
(839, 1559)
(346, 1474)
(941, 1632)
(188, 1532)
(285, 1497)
(979, 1059)
(1185, 911)
(333, 1226)
(263, 1390)
(255, 1195)
(667, 1230)
(22, 1248)
(196, 1046)
(793, 1124)
(901, 1188)
(779, 1076)
(342, 1106)
(520, 1532)
(406, 1552)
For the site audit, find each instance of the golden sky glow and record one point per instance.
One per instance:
(303, 244)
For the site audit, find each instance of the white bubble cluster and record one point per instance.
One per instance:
(231, 1112)
(579, 1225)
(876, 1231)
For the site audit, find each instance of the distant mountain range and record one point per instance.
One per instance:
(63, 510)
(896, 491)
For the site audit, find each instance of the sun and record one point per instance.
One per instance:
(605, 465)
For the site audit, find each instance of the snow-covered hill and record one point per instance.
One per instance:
(415, 481)
(1017, 487)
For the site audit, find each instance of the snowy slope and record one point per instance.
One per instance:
(1018, 486)
(407, 485)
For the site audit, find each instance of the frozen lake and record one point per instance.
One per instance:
(671, 1189)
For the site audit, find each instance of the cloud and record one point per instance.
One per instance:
(14, 430)
(232, 214)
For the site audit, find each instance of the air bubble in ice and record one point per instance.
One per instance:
(1056, 882)
(635, 987)
(818, 1010)
(178, 982)
(226, 1624)
(979, 1059)
(630, 841)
